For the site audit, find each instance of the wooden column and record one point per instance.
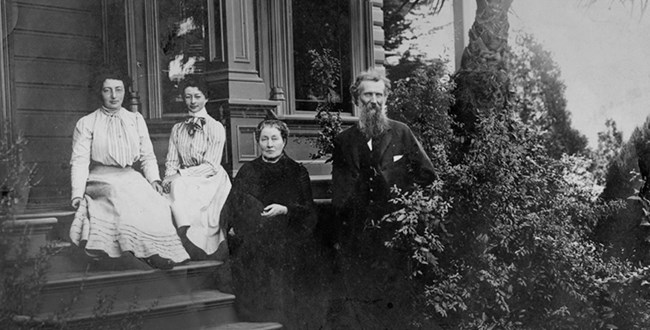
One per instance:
(236, 76)
(7, 21)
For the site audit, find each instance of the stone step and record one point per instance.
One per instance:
(248, 326)
(194, 310)
(27, 236)
(74, 290)
(321, 186)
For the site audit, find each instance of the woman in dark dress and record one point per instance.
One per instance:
(270, 216)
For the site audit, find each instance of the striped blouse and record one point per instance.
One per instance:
(118, 138)
(198, 155)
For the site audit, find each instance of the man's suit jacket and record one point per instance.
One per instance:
(362, 178)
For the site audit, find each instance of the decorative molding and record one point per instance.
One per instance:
(216, 31)
(377, 33)
(241, 35)
(132, 57)
(280, 52)
(245, 132)
(22, 4)
(154, 88)
(6, 84)
(231, 74)
(106, 51)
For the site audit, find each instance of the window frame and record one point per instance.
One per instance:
(281, 51)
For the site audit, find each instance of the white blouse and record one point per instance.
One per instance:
(198, 155)
(113, 138)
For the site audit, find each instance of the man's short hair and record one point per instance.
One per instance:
(371, 74)
(273, 123)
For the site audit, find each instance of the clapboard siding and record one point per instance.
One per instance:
(32, 71)
(43, 124)
(53, 175)
(56, 47)
(45, 19)
(53, 46)
(57, 150)
(53, 98)
(62, 5)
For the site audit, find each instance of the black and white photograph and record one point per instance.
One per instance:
(324, 164)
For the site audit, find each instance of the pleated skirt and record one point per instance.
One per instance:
(121, 212)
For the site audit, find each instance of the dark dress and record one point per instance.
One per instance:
(274, 260)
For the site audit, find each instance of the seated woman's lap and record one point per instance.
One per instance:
(126, 214)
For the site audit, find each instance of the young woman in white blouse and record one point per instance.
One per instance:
(196, 183)
(118, 208)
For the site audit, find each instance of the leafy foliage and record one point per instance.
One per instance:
(21, 271)
(325, 69)
(18, 176)
(505, 239)
(610, 143)
(422, 99)
(539, 96)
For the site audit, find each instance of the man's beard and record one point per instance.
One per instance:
(372, 120)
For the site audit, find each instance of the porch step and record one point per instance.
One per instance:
(78, 289)
(28, 236)
(125, 292)
(193, 310)
(248, 326)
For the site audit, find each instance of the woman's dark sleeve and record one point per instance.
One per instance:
(302, 213)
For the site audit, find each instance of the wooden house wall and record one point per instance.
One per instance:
(55, 46)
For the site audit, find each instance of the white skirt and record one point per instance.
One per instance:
(122, 212)
(197, 202)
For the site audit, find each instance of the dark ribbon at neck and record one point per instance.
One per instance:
(194, 124)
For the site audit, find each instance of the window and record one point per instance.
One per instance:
(321, 53)
(182, 39)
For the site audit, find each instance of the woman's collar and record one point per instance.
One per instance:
(274, 161)
(201, 113)
(110, 112)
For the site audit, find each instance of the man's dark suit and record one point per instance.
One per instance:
(375, 277)
(362, 178)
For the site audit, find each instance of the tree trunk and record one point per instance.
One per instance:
(482, 84)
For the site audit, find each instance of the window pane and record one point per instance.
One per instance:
(183, 42)
(321, 31)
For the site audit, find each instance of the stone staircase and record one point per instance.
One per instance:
(80, 293)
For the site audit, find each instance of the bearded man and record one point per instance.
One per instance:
(373, 156)
(368, 159)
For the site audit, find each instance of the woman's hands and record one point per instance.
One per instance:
(168, 181)
(76, 202)
(273, 210)
(157, 186)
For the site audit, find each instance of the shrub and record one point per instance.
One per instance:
(507, 240)
(21, 273)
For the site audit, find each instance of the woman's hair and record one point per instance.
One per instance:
(371, 74)
(195, 81)
(272, 123)
(111, 72)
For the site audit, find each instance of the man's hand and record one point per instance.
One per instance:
(273, 210)
(76, 202)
